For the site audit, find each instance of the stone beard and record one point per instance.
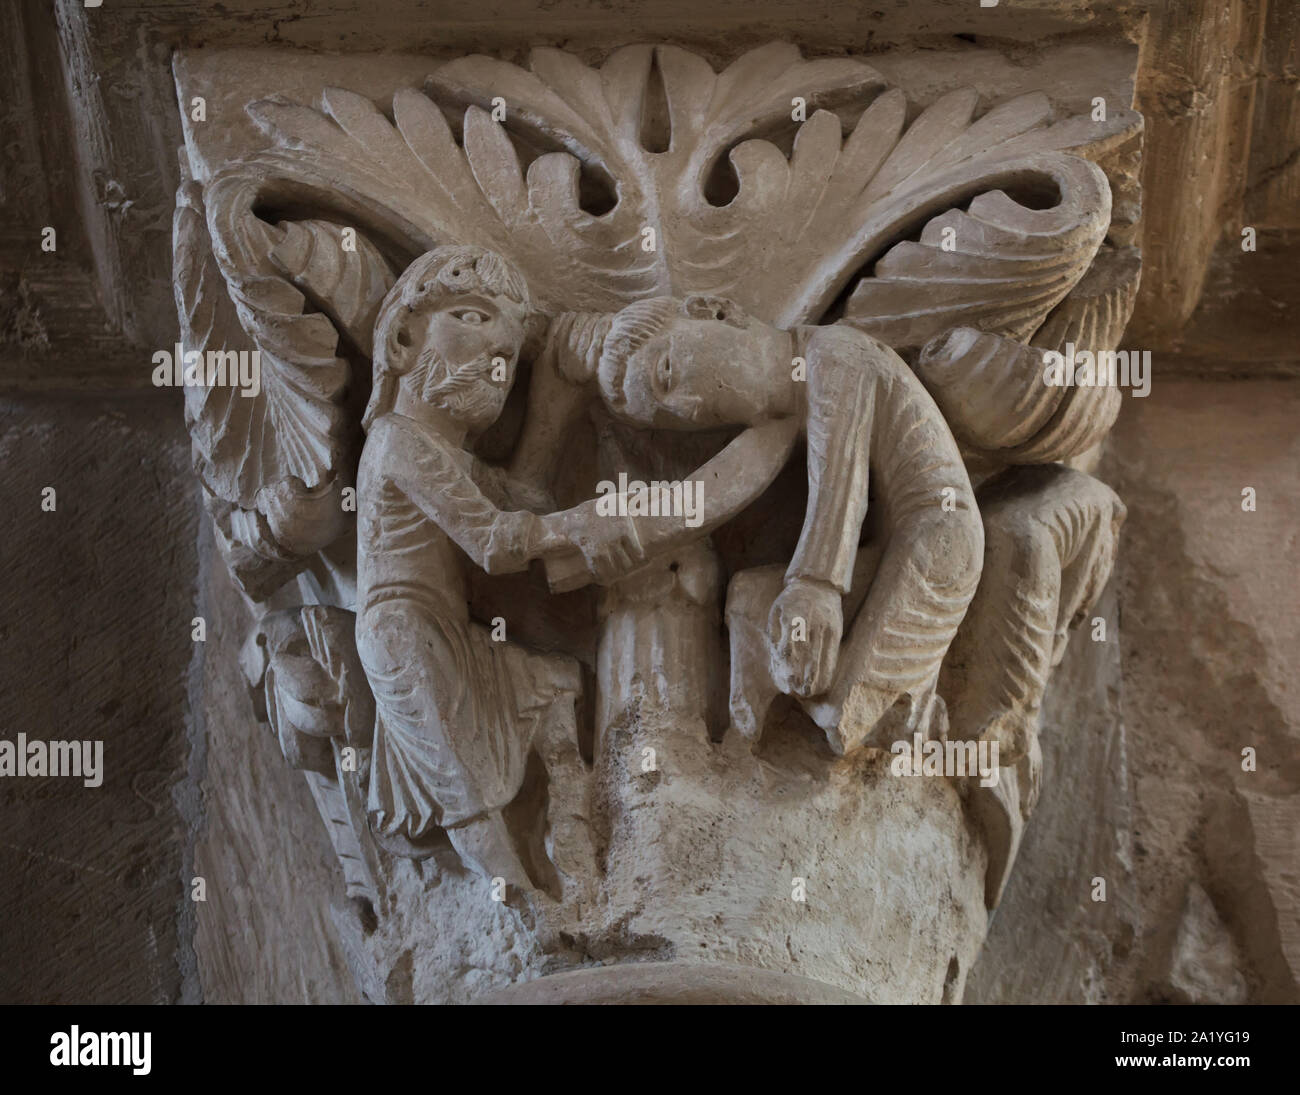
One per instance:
(468, 394)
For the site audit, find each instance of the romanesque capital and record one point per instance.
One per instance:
(660, 495)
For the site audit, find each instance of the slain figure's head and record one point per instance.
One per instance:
(691, 363)
(450, 331)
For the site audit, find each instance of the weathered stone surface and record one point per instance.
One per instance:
(95, 645)
(1207, 83)
(1203, 968)
(1049, 939)
(1208, 615)
(485, 834)
(697, 864)
(1209, 661)
(269, 869)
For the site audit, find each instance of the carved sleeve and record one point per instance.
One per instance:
(840, 404)
(506, 492)
(431, 474)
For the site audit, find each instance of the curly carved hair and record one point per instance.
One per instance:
(447, 271)
(636, 324)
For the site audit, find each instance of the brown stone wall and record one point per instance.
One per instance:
(98, 598)
(1199, 855)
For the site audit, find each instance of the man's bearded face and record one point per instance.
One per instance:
(467, 361)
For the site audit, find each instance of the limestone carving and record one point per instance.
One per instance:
(784, 488)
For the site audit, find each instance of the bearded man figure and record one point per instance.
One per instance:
(456, 711)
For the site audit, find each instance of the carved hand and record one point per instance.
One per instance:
(804, 628)
(515, 541)
(609, 545)
(615, 558)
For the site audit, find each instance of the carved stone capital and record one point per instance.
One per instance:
(657, 508)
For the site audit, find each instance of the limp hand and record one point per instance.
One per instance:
(805, 627)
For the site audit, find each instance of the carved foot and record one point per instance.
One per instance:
(870, 718)
(1001, 811)
(484, 844)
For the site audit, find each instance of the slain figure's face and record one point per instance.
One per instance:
(696, 374)
(467, 356)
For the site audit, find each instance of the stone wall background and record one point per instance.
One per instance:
(95, 643)
(1143, 788)
(1199, 856)
(265, 935)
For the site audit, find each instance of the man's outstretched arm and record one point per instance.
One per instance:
(806, 622)
(932, 556)
(436, 477)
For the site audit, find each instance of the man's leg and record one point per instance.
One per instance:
(915, 601)
(484, 843)
(429, 768)
(1050, 540)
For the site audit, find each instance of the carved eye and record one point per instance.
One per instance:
(472, 316)
(664, 372)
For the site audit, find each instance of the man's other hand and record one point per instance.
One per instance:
(805, 627)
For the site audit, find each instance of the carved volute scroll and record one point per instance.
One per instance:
(645, 459)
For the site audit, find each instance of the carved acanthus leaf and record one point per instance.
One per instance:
(282, 451)
(346, 278)
(798, 228)
(999, 266)
(992, 391)
(1094, 315)
(286, 429)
